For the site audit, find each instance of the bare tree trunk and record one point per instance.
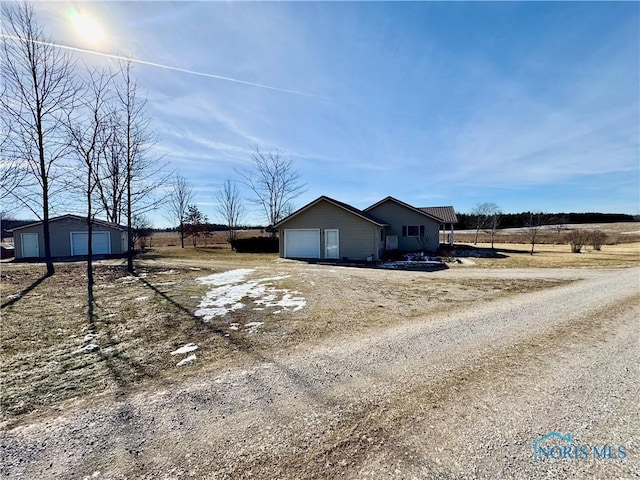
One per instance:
(38, 92)
(179, 199)
(230, 208)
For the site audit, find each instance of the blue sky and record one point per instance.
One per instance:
(533, 106)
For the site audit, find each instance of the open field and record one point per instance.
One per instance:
(621, 232)
(516, 255)
(314, 371)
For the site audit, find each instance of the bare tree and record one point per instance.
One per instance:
(230, 208)
(180, 197)
(39, 92)
(12, 174)
(142, 230)
(142, 174)
(533, 224)
(482, 213)
(493, 222)
(88, 142)
(111, 184)
(274, 183)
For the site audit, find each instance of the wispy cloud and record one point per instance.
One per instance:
(173, 68)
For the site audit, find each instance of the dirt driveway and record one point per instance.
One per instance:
(463, 395)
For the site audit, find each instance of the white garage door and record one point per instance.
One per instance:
(101, 243)
(302, 243)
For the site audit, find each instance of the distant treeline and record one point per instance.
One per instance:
(9, 224)
(210, 227)
(467, 221)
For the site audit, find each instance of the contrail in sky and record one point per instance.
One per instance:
(175, 69)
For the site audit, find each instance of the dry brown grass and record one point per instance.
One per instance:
(558, 256)
(623, 232)
(172, 239)
(140, 320)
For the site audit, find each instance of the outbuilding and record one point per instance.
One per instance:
(69, 238)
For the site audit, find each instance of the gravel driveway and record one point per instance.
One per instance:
(463, 396)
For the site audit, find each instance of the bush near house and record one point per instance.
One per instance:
(256, 245)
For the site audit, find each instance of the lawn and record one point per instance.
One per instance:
(54, 349)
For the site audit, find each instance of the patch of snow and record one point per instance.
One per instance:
(190, 358)
(87, 348)
(287, 302)
(225, 278)
(141, 299)
(127, 280)
(231, 288)
(90, 336)
(14, 297)
(167, 272)
(195, 268)
(189, 347)
(253, 326)
(234, 326)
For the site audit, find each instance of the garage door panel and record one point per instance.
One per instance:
(302, 243)
(101, 243)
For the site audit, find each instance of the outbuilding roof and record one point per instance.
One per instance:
(70, 216)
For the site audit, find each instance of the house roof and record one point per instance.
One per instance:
(70, 216)
(344, 206)
(445, 214)
(406, 205)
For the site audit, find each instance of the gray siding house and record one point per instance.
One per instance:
(329, 229)
(69, 237)
(409, 228)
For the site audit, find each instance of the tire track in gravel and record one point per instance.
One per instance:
(346, 410)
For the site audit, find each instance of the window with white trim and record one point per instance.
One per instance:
(413, 230)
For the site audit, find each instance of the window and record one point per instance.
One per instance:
(413, 231)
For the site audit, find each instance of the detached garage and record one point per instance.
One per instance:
(69, 238)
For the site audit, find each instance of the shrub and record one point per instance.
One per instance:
(256, 245)
(597, 238)
(577, 239)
